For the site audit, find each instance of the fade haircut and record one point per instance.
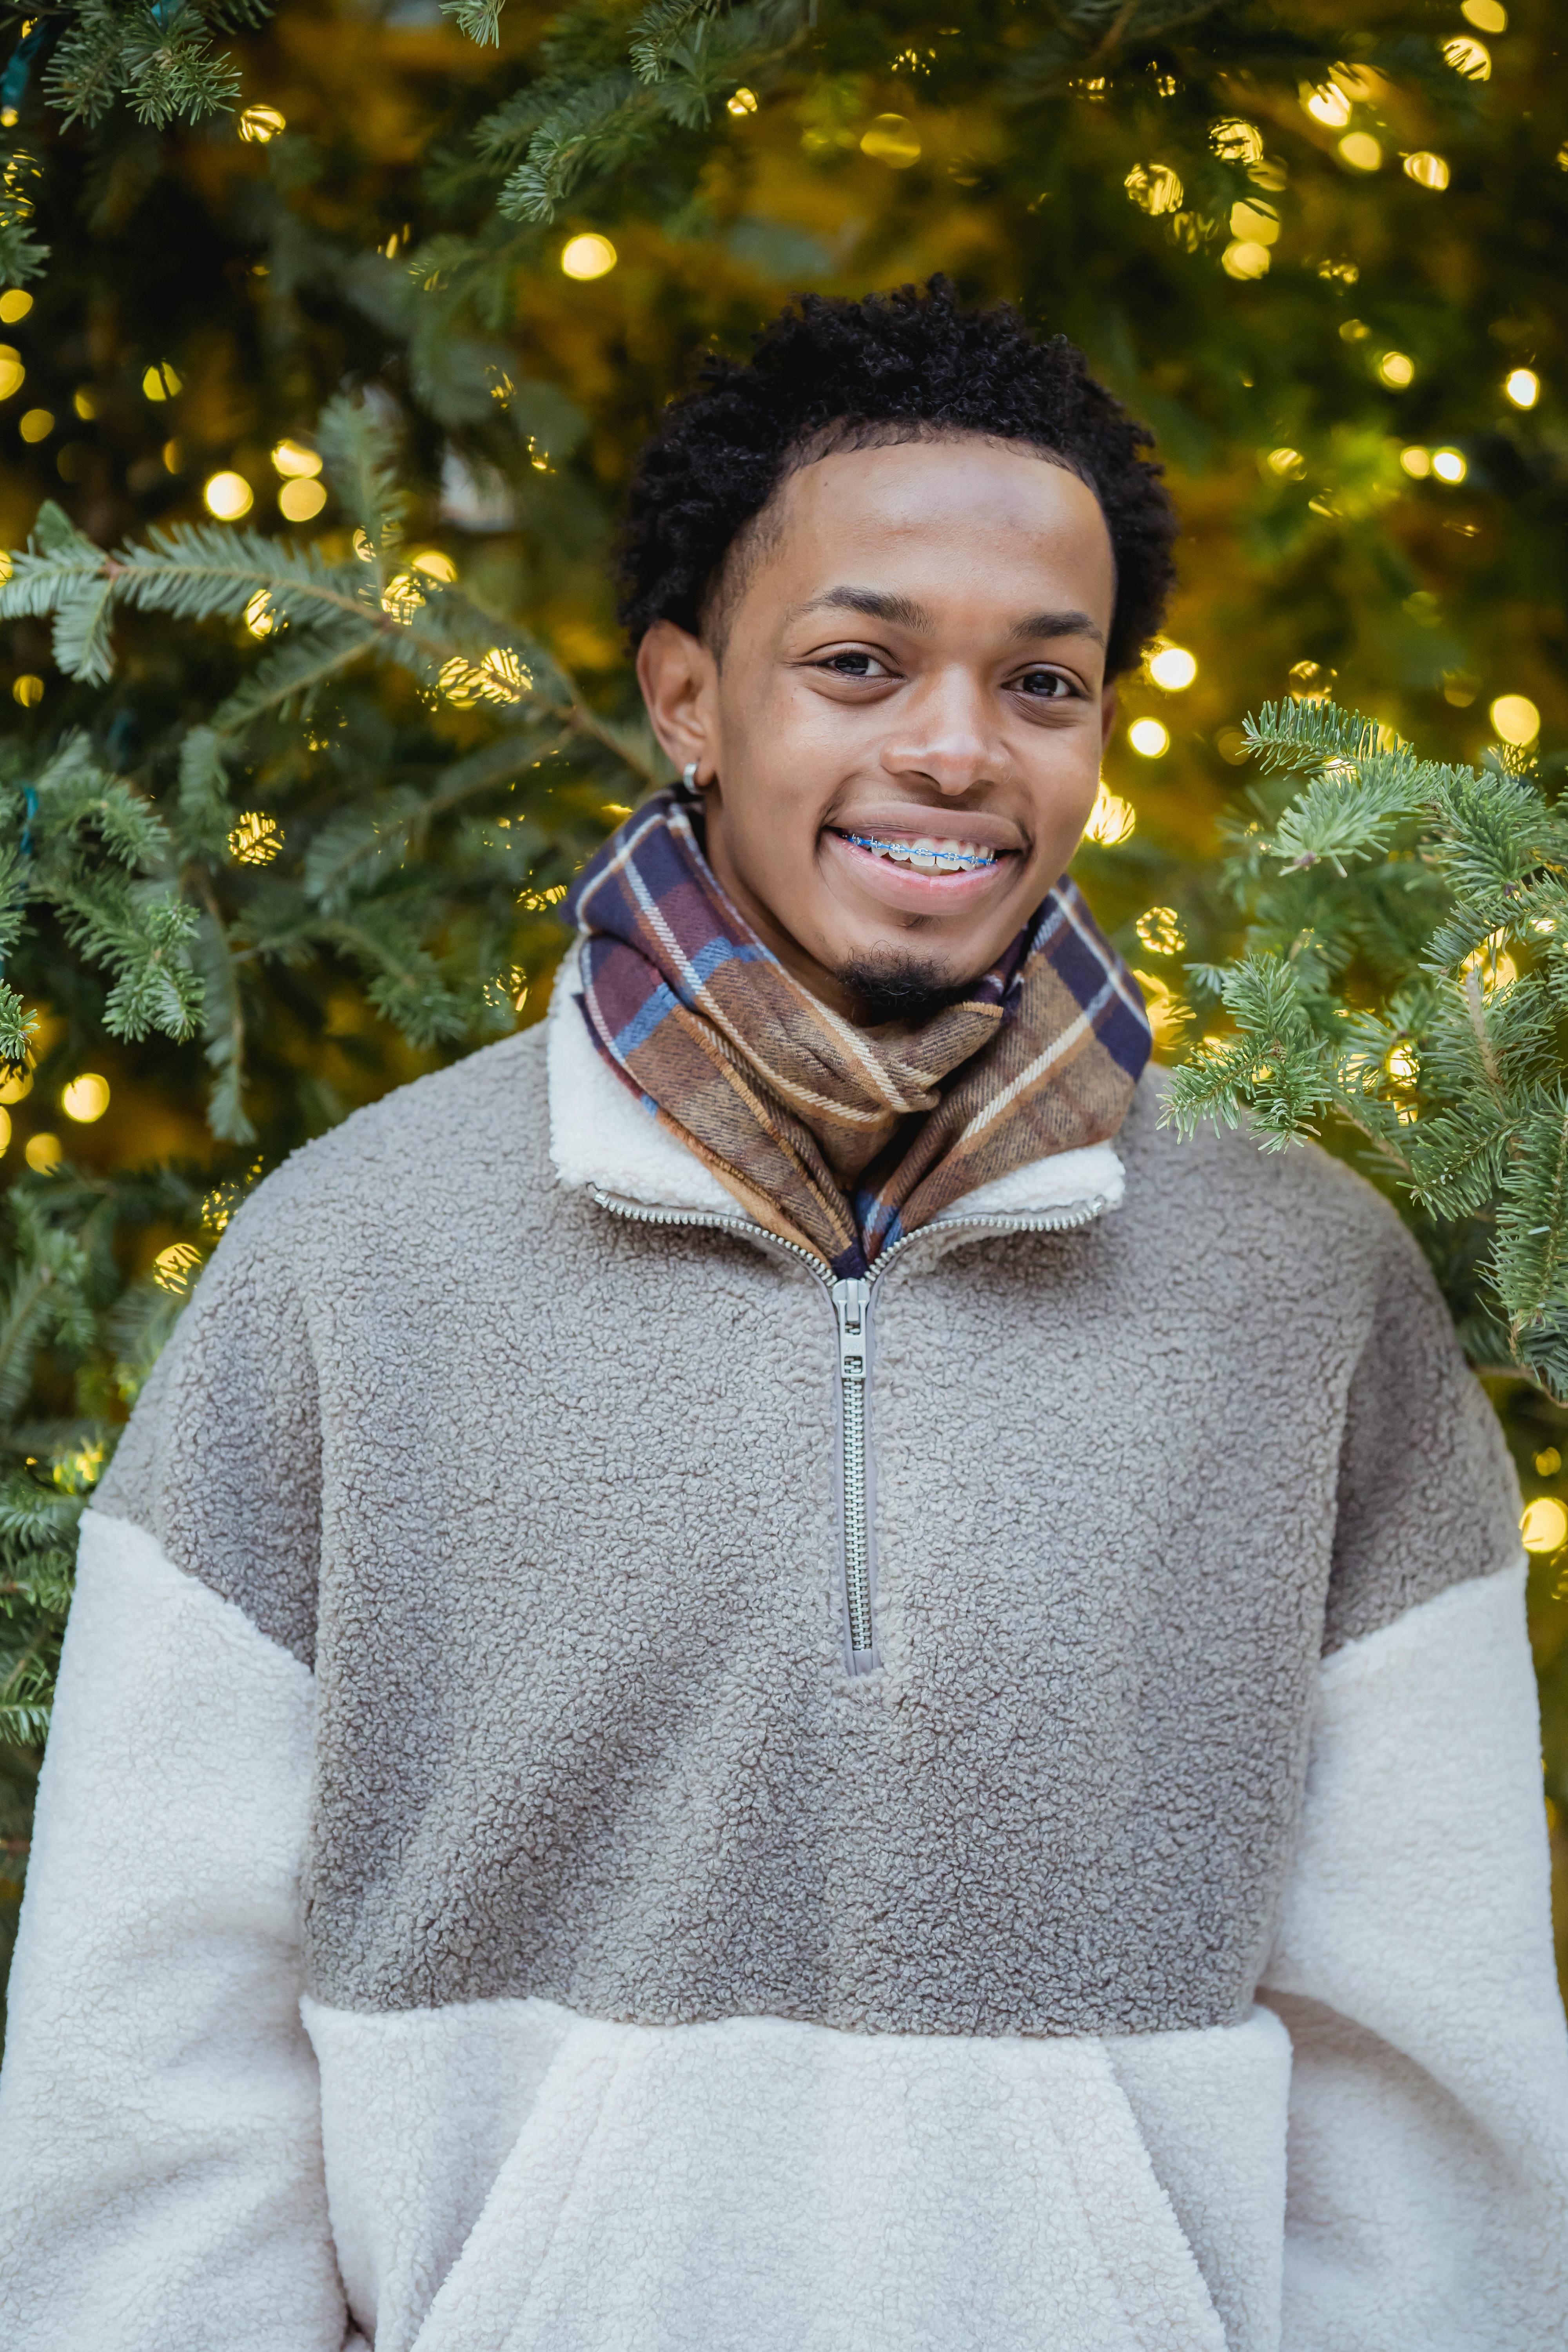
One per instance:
(828, 375)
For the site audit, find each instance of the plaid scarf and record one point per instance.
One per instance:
(837, 1138)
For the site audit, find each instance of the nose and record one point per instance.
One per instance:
(945, 736)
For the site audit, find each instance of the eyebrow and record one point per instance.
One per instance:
(902, 610)
(903, 613)
(1058, 625)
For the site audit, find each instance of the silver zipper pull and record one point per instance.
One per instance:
(850, 1299)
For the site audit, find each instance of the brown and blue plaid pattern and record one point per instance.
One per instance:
(843, 1139)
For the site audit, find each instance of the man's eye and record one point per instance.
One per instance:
(1045, 685)
(850, 665)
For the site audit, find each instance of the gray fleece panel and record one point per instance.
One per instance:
(585, 1729)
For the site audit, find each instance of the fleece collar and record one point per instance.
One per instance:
(603, 1139)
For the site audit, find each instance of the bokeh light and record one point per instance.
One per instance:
(1172, 667)
(588, 257)
(227, 496)
(1148, 737)
(1544, 1524)
(86, 1099)
(1515, 719)
(890, 139)
(300, 499)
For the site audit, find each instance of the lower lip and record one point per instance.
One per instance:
(901, 886)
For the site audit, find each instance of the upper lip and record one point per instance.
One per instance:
(932, 825)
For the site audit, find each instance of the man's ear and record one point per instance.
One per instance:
(678, 678)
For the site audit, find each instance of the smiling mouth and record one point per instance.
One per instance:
(925, 854)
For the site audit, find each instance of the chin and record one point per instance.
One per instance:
(901, 984)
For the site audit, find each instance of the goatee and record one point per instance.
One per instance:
(908, 989)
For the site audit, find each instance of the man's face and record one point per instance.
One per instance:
(901, 746)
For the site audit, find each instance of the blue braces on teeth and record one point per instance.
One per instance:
(955, 860)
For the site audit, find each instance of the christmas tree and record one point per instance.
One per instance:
(332, 329)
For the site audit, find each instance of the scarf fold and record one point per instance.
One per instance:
(837, 1138)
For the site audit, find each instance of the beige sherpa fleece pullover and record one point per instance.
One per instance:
(485, 1900)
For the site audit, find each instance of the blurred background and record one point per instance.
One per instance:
(1319, 248)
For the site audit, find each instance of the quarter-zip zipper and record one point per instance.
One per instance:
(851, 1300)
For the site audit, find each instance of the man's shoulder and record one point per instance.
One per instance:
(1220, 1196)
(456, 1142)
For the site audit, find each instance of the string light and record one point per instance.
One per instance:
(1523, 386)
(1155, 187)
(1327, 104)
(1449, 465)
(86, 1099)
(1111, 820)
(1397, 370)
(1361, 151)
(301, 498)
(1244, 259)
(1417, 462)
(1515, 720)
(588, 257)
(1149, 737)
(1172, 667)
(257, 124)
(891, 141)
(1472, 60)
(293, 457)
(227, 496)
(1544, 1524)
(1427, 171)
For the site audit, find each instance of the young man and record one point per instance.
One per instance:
(761, 1676)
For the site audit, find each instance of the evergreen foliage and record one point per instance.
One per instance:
(294, 780)
(1404, 970)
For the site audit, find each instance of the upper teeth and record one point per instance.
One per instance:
(927, 854)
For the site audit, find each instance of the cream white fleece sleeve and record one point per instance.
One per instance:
(1428, 2200)
(161, 2175)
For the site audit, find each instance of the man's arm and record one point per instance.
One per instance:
(160, 2176)
(1428, 2200)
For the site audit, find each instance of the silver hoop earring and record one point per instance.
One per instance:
(688, 775)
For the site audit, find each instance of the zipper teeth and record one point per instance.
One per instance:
(640, 1213)
(856, 1547)
(858, 1607)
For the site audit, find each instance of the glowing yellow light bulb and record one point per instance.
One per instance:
(1515, 719)
(301, 498)
(1172, 667)
(86, 1099)
(1427, 171)
(588, 257)
(1543, 1525)
(1523, 386)
(229, 496)
(1148, 737)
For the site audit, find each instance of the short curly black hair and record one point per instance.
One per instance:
(828, 374)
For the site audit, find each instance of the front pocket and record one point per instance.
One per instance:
(759, 2186)
(484, 2302)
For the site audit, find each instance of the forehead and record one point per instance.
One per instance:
(959, 519)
